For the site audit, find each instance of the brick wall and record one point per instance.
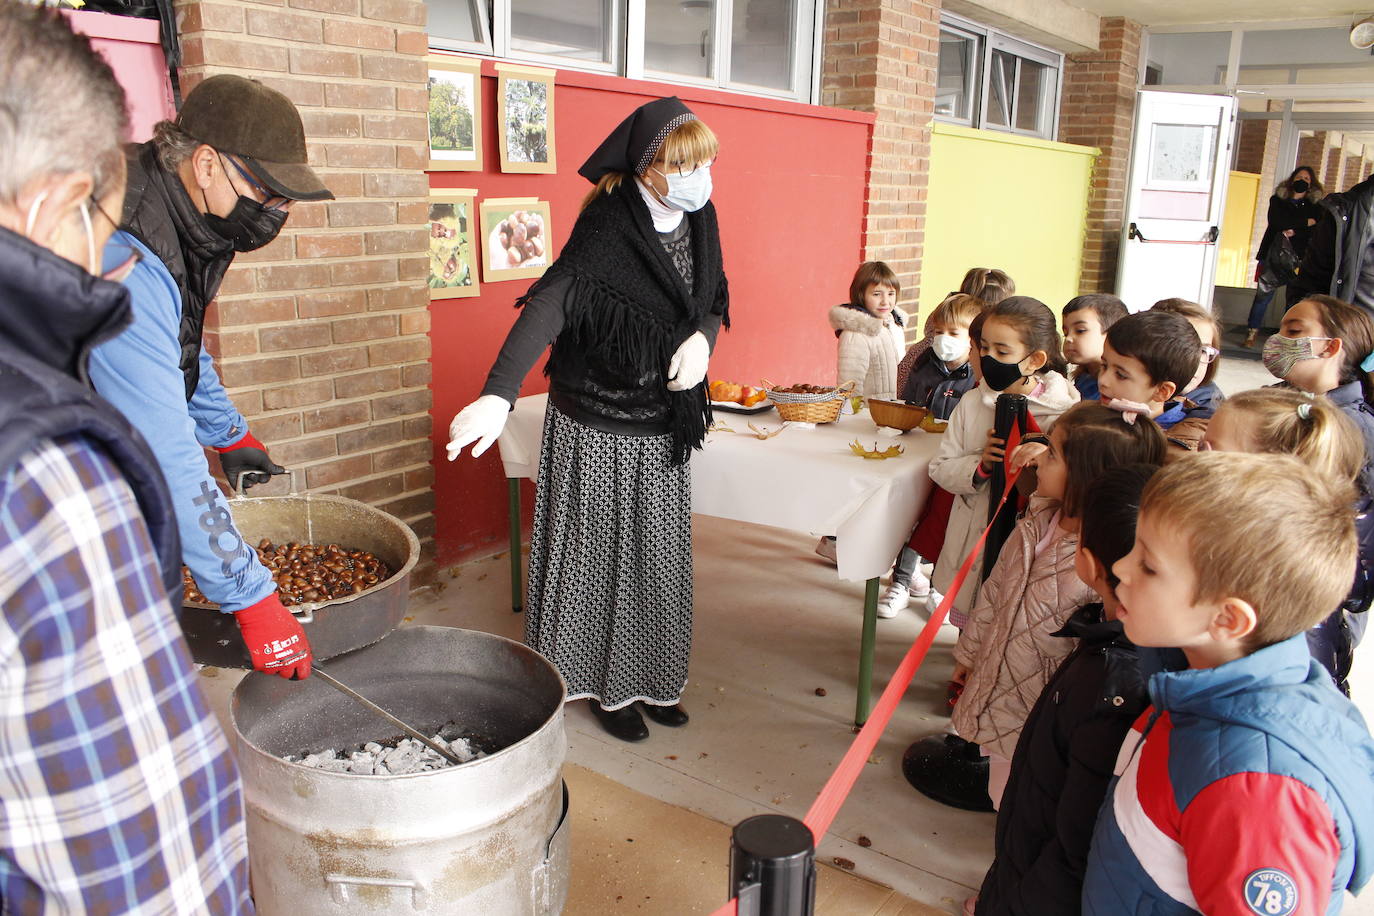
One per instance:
(1268, 168)
(1334, 175)
(881, 56)
(1097, 108)
(1312, 153)
(322, 336)
(1252, 139)
(1356, 169)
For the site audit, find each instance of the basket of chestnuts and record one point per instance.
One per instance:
(809, 403)
(340, 565)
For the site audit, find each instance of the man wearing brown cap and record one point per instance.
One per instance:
(218, 180)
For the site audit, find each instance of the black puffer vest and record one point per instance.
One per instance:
(161, 215)
(52, 314)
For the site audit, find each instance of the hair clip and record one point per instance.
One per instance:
(1129, 409)
(1367, 364)
(1305, 411)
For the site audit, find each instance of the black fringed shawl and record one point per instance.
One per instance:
(628, 307)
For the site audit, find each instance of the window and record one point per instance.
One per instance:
(957, 78)
(460, 25)
(578, 30)
(765, 47)
(991, 80)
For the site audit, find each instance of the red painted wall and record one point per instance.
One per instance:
(789, 190)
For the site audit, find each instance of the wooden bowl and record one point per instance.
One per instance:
(896, 414)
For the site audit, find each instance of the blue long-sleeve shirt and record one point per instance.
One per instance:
(139, 372)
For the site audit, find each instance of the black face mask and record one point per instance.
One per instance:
(999, 375)
(1300, 186)
(249, 226)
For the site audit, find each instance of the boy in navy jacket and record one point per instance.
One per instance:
(1248, 786)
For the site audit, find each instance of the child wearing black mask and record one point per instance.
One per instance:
(1019, 353)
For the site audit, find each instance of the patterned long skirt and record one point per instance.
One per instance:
(609, 600)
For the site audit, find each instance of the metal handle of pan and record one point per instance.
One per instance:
(339, 884)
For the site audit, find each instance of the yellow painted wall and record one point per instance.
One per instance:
(1234, 267)
(998, 200)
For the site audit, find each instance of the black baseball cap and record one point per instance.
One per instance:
(260, 126)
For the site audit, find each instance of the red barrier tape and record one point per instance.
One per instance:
(837, 788)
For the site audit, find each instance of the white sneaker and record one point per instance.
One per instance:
(825, 547)
(920, 583)
(893, 600)
(933, 601)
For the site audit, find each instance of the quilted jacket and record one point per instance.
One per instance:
(955, 467)
(869, 350)
(1009, 644)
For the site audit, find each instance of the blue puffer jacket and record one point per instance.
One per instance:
(1246, 789)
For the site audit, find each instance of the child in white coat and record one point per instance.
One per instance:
(1020, 354)
(871, 331)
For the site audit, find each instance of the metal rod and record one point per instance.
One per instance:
(516, 579)
(419, 736)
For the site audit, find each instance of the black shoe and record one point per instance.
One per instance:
(671, 716)
(624, 723)
(950, 770)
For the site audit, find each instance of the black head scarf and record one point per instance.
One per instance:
(634, 144)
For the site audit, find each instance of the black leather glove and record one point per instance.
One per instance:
(246, 463)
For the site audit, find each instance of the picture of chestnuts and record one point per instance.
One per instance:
(519, 240)
(309, 572)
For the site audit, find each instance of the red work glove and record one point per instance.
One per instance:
(246, 463)
(275, 639)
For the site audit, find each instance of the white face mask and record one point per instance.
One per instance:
(688, 193)
(948, 347)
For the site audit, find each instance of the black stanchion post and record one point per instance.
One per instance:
(773, 866)
(1011, 412)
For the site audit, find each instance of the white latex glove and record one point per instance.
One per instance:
(688, 366)
(480, 422)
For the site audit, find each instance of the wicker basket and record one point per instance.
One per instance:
(896, 414)
(809, 408)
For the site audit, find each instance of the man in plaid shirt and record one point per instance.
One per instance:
(117, 790)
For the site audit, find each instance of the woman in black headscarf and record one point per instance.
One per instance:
(631, 309)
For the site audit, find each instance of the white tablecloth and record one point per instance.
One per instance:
(801, 479)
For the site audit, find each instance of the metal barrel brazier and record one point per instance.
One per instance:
(489, 837)
(333, 627)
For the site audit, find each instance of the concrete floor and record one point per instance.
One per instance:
(773, 624)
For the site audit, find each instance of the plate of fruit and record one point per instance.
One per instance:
(733, 398)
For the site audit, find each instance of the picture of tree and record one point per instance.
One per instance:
(455, 113)
(525, 127)
(450, 113)
(527, 120)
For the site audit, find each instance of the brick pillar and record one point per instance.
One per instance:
(1269, 178)
(1097, 109)
(321, 337)
(1356, 169)
(881, 56)
(1312, 153)
(1334, 172)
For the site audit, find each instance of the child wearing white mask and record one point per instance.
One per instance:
(940, 376)
(1323, 347)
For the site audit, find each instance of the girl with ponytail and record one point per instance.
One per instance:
(1284, 421)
